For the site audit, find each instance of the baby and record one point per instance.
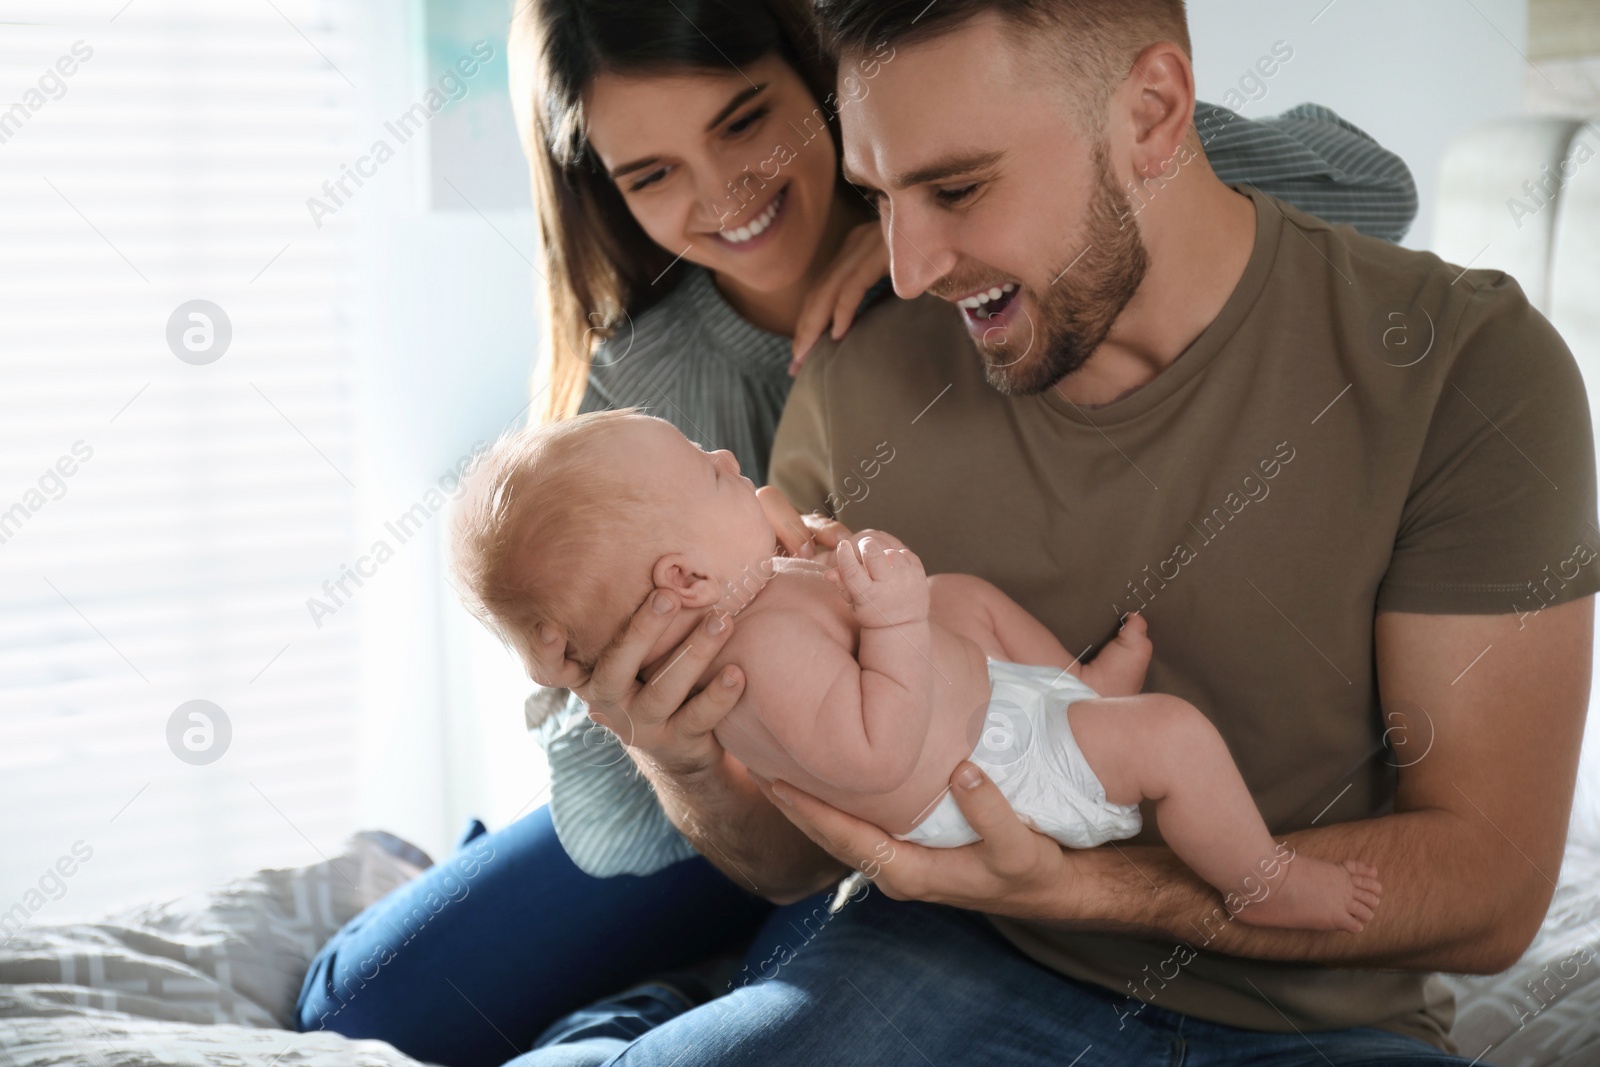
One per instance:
(867, 681)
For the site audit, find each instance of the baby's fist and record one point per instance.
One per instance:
(885, 586)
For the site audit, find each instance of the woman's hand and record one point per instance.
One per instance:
(655, 717)
(1014, 870)
(862, 260)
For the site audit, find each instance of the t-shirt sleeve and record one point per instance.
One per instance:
(1500, 516)
(801, 461)
(1311, 158)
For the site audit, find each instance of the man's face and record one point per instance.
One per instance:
(995, 199)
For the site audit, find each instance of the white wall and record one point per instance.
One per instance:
(448, 341)
(1412, 73)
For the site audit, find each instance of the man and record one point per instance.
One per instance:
(1350, 487)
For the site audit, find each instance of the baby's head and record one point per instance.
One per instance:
(572, 524)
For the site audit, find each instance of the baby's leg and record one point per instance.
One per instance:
(1162, 748)
(1005, 630)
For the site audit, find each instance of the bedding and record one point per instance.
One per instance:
(1545, 1011)
(208, 980)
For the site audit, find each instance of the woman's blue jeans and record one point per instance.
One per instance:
(465, 965)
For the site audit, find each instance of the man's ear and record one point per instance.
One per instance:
(675, 571)
(1157, 103)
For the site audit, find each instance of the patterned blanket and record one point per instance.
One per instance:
(208, 980)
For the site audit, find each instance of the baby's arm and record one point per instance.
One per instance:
(858, 726)
(887, 589)
(1118, 669)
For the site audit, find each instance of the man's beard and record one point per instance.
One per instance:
(1076, 312)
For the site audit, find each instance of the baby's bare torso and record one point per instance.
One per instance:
(800, 595)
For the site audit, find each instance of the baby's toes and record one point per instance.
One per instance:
(1361, 914)
(1361, 873)
(1349, 922)
(1368, 897)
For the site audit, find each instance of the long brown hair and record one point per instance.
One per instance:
(600, 268)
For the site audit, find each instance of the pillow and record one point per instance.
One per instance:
(232, 954)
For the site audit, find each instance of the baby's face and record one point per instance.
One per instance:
(726, 535)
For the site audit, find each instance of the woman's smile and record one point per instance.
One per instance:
(755, 233)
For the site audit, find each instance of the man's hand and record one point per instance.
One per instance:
(1013, 871)
(885, 585)
(657, 718)
(706, 793)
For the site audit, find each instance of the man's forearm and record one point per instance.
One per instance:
(1443, 907)
(731, 823)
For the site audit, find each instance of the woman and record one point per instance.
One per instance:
(711, 194)
(697, 238)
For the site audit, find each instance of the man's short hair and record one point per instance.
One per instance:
(1097, 39)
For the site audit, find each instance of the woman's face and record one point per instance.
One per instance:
(734, 171)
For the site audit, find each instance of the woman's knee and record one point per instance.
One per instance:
(355, 985)
(329, 1000)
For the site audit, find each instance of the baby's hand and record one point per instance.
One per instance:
(886, 586)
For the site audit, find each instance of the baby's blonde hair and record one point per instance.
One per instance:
(547, 532)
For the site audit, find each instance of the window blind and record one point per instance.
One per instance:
(168, 505)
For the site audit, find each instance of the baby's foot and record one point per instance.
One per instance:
(1118, 669)
(1314, 894)
(1132, 640)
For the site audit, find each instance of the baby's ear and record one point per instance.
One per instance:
(675, 572)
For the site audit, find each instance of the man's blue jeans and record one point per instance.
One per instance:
(886, 983)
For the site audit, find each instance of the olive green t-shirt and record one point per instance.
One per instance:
(1363, 428)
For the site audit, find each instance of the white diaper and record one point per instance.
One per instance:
(1027, 748)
